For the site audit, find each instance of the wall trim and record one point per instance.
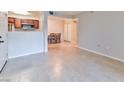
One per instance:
(98, 53)
(11, 57)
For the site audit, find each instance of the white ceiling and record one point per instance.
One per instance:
(70, 12)
(39, 13)
(36, 13)
(61, 18)
(57, 18)
(32, 13)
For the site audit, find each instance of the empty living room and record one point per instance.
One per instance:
(26, 55)
(62, 46)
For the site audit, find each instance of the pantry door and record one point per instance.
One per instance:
(67, 32)
(3, 39)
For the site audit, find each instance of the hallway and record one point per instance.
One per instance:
(63, 63)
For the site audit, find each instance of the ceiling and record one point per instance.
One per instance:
(61, 18)
(32, 13)
(39, 13)
(57, 18)
(36, 13)
(70, 12)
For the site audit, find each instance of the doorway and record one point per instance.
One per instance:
(71, 31)
(65, 27)
(3, 39)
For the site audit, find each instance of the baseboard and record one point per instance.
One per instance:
(25, 54)
(98, 53)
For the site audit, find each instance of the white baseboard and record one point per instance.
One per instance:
(24, 54)
(98, 53)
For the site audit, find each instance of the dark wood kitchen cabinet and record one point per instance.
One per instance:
(36, 24)
(11, 20)
(27, 21)
(30, 21)
(18, 23)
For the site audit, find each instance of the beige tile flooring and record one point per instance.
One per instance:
(63, 63)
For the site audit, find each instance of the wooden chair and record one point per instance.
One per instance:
(58, 37)
(54, 38)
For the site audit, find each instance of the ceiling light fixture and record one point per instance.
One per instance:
(21, 12)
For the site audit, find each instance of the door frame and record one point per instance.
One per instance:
(46, 14)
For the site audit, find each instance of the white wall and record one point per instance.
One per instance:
(45, 30)
(75, 33)
(56, 26)
(24, 43)
(102, 32)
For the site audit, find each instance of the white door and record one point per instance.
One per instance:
(67, 32)
(3, 39)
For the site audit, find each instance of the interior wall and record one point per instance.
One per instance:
(55, 26)
(102, 32)
(75, 32)
(24, 43)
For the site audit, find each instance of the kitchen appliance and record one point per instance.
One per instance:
(27, 27)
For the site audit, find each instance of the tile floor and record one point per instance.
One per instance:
(63, 63)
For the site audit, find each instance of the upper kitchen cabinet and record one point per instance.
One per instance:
(27, 21)
(36, 24)
(11, 20)
(18, 23)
